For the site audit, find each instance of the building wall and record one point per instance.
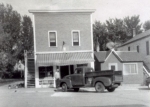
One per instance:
(142, 49)
(63, 23)
(127, 79)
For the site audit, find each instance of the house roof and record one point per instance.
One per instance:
(63, 10)
(122, 56)
(137, 37)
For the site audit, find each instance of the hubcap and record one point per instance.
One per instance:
(98, 87)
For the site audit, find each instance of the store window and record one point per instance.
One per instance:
(46, 72)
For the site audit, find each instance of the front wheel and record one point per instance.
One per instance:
(99, 87)
(111, 89)
(64, 87)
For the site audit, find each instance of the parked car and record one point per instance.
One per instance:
(86, 77)
(148, 82)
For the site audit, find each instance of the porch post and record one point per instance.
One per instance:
(54, 70)
(25, 69)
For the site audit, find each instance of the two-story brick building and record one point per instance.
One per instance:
(63, 39)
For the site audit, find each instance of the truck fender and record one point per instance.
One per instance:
(67, 81)
(105, 80)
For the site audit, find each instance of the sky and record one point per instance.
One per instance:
(105, 9)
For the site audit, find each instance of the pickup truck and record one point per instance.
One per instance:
(86, 77)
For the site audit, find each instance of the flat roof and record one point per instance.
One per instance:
(64, 10)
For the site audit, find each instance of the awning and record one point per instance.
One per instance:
(64, 58)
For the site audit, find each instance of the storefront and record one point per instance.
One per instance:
(66, 63)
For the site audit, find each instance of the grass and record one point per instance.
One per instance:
(8, 81)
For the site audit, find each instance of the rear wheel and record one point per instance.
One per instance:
(99, 87)
(76, 89)
(64, 87)
(111, 89)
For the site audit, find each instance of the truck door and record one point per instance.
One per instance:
(77, 78)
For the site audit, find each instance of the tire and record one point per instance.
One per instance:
(99, 87)
(64, 87)
(76, 89)
(111, 89)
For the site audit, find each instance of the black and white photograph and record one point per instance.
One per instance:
(74, 53)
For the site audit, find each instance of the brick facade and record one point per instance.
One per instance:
(63, 24)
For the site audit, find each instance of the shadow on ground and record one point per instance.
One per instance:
(144, 88)
(131, 105)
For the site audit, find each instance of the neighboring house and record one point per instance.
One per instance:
(63, 39)
(131, 63)
(141, 44)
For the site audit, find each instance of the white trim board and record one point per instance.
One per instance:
(63, 52)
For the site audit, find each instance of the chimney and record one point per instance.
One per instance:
(134, 32)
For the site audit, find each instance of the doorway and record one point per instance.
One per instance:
(113, 66)
(64, 70)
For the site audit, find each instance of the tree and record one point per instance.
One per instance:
(99, 35)
(146, 25)
(116, 30)
(15, 35)
(132, 22)
(26, 39)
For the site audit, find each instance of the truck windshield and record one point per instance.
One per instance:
(78, 71)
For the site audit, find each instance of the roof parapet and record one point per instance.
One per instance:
(64, 11)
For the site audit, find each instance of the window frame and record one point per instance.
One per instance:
(136, 67)
(129, 49)
(72, 37)
(49, 38)
(115, 64)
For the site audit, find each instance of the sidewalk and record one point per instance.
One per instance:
(34, 90)
(123, 87)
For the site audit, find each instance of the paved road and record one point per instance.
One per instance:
(48, 98)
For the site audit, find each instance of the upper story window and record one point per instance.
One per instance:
(147, 47)
(129, 69)
(129, 48)
(52, 38)
(76, 38)
(137, 49)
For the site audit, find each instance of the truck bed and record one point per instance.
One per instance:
(99, 73)
(117, 75)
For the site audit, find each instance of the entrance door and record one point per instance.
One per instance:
(113, 66)
(64, 70)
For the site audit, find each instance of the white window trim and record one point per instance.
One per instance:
(130, 64)
(49, 38)
(72, 36)
(115, 64)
